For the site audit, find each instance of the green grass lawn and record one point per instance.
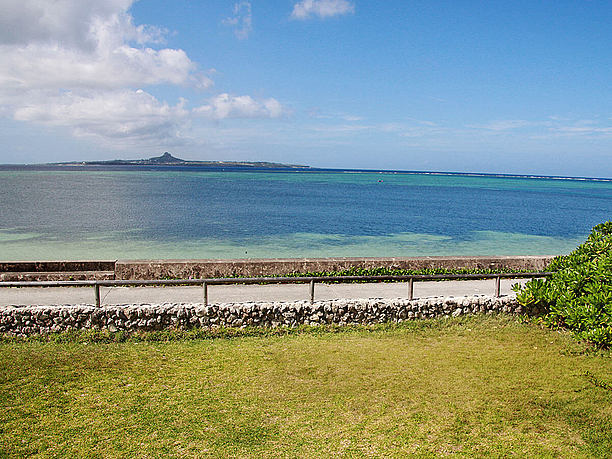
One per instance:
(472, 386)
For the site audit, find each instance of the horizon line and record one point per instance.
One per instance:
(298, 168)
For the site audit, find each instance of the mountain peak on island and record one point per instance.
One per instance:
(166, 158)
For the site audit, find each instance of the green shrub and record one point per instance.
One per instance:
(578, 296)
(384, 271)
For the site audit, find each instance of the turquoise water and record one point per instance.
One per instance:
(199, 213)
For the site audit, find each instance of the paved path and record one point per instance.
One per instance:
(246, 293)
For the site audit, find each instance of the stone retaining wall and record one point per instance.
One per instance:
(252, 267)
(57, 266)
(200, 269)
(27, 320)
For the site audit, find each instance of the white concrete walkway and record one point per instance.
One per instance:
(247, 293)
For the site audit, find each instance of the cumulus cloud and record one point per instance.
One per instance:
(306, 9)
(24, 22)
(84, 43)
(226, 106)
(83, 65)
(242, 20)
(54, 67)
(110, 115)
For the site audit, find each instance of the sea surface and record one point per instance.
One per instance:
(144, 213)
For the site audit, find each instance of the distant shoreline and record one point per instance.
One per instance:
(166, 160)
(237, 166)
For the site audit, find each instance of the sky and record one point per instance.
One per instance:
(475, 86)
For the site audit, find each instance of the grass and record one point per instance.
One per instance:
(472, 386)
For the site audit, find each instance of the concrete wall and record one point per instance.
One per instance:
(186, 269)
(194, 269)
(49, 266)
(28, 320)
(14, 271)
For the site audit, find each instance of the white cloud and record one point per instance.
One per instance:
(242, 20)
(83, 40)
(351, 118)
(591, 129)
(83, 64)
(69, 22)
(318, 114)
(503, 125)
(84, 43)
(306, 9)
(549, 128)
(226, 106)
(54, 67)
(109, 115)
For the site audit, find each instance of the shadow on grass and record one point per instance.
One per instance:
(177, 334)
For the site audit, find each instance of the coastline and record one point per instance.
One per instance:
(263, 167)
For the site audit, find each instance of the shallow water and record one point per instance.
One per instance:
(93, 214)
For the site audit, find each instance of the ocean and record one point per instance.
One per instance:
(198, 212)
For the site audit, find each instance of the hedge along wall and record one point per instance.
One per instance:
(195, 269)
(28, 320)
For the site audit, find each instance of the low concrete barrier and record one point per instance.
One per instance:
(15, 271)
(57, 266)
(198, 269)
(28, 320)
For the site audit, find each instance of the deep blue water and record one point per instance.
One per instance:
(198, 213)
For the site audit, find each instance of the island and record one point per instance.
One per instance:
(167, 159)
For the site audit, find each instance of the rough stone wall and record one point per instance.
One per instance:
(27, 320)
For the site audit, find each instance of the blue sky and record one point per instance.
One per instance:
(483, 86)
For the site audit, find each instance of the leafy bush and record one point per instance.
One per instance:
(578, 296)
(384, 271)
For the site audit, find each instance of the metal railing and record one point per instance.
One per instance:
(205, 283)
